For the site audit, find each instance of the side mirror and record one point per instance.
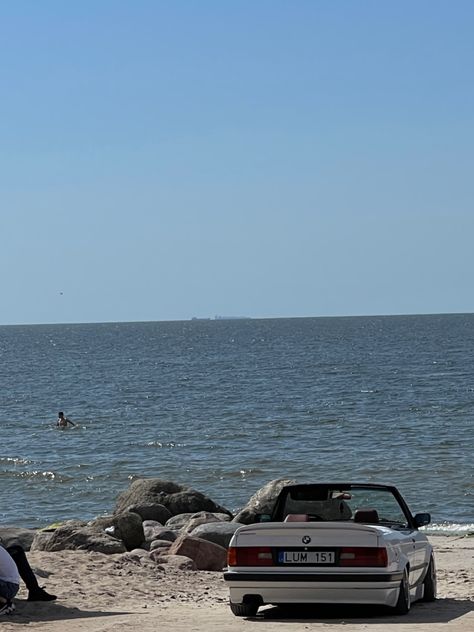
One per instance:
(263, 518)
(422, 519)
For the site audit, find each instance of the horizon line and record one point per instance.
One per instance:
(233, 318)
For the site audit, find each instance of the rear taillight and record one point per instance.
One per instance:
(363, 556)
(249, 556)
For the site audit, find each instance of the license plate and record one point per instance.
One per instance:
(306, 557)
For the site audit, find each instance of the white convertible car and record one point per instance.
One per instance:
(339, 543)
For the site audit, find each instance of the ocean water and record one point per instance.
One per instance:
(227, 405)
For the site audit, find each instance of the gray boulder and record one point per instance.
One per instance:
(158, 551)
(159, 544)
(43, 536)
(157, 532)
(148, 528)
(126, 526)
(218, 532)
(179, 521)
(69, 538)
(151, 511)
(65, 523)
(176, 498)
(222, 516)
(179, 562)
(10, 536)
(184, 521)
(202, 517)
(136, 556)
(137, 552)
(40, 541)
(263, 501)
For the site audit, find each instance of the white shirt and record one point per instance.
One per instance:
(8, 569)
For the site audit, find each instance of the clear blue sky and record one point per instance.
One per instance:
(163, 160)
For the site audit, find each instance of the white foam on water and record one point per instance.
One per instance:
(449, 528)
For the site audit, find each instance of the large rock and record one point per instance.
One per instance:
(10, 536)
(69, 538)
(179, 522)
(151, 511)
(154, 531)
(203, 517)
(159, 544)
(263, 501)
(185, 521)
(136, 556)
(222, 516)
(180, 562)
(218, 532)
(159, 550)
(206, 555)
(44, 535)
(141, 553)
(40, 541)
(64, 523)
(176, 498)
(126, 526)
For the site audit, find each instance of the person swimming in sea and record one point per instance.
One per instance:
(63, 421)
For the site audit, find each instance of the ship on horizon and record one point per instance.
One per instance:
(218, 317)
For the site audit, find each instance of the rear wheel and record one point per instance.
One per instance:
(244, 609)
(429, 583)
(404, 601)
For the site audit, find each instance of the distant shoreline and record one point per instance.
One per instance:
(253, 318)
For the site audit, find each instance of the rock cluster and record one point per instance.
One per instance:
(157, 520)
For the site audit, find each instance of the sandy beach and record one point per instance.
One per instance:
(101, 593)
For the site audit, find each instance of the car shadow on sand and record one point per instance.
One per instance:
(439, 611)
(28, 612)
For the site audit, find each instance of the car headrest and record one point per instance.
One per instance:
(368, 516)
(297, 518)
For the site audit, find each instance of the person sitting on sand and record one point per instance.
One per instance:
(63, 421)
(35, 591)
(9, 582)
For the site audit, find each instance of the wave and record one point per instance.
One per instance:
(449, 528)
(35, 475)
(15, 460)
(164, 444)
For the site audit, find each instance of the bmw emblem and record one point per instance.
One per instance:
(306, 539)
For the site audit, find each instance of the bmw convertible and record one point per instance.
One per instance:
(332, 543)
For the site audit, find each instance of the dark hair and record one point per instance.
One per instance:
(60, 413)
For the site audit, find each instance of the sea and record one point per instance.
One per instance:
(226, 405)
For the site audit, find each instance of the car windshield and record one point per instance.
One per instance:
(367, 505)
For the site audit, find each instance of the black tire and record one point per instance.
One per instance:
(430, 583)
(244, 609)
(404, 600)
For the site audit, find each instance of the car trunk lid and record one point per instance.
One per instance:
(319, 534)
